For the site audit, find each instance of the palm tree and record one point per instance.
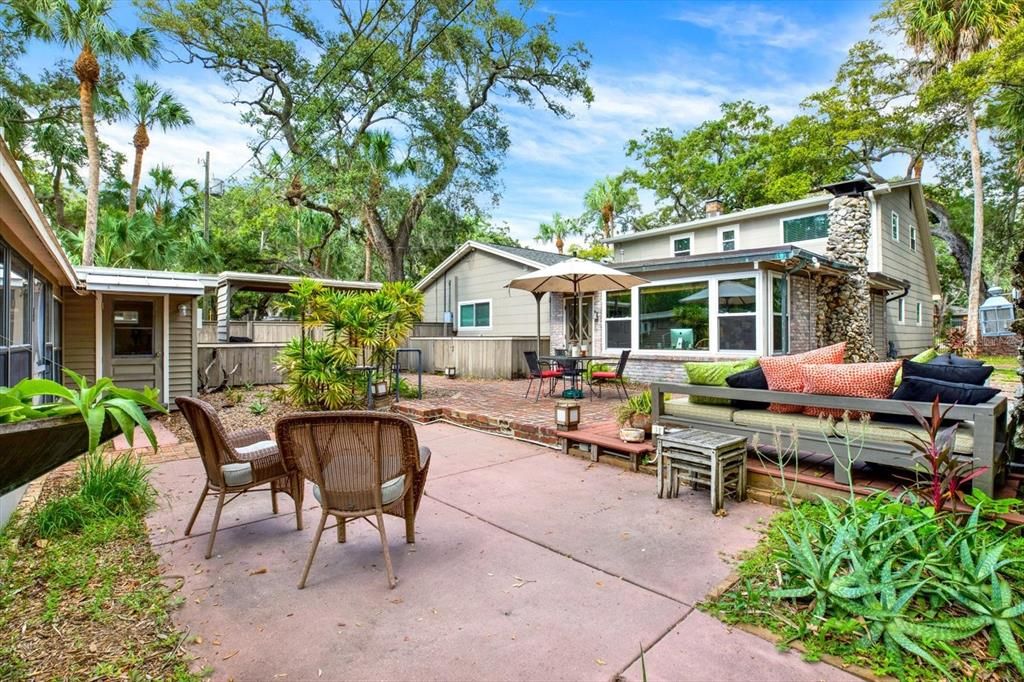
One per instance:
(86, 25)
(150, 106)
(557, 229)
(607, 198)
(378, 151)
(949, 32)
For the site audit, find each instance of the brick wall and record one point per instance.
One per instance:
(803, 312)
(649, 370)
(998, 345)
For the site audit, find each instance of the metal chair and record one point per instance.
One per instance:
(536, 372)
(236, 463)
(362, 464)
(600, 378)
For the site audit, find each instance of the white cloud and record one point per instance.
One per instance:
(750, 23)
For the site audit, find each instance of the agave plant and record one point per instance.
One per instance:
(994, 606)
(94, 403)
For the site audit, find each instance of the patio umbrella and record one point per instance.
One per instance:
(573, 276)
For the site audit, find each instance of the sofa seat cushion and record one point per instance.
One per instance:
(855, 380)
(784, 423)
(783, 371)
(898, 433)
(682, 407)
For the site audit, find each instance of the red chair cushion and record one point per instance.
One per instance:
(548, 373)
(782, 372)
(604, 375)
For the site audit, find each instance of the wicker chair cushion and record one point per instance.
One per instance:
(389, 492)
(256, 447)
(239, 473)
(424, 456)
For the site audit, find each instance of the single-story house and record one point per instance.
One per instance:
(473, 321)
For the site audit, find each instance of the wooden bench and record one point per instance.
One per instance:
(604, 438)
(989, 432)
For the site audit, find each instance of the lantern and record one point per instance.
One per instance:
(184, 311)
(380, 389)
(567, 415)
(449, 372)
(996, 314)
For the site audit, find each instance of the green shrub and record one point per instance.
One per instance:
(406, 389)
(101, 489)
(258, 408)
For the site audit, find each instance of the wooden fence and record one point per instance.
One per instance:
(263, 331)
(255, 362)
(476, 357)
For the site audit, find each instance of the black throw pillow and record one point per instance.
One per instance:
(919, 389)
(953, 359)
(750, 378)
(960, 374)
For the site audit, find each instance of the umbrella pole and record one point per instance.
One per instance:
(538, 295)
(579, 314)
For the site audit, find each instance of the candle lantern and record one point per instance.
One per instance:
(449, 372)
(567, 415)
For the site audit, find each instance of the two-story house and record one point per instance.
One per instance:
(733, 285)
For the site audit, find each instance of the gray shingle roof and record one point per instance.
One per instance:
(542, 257)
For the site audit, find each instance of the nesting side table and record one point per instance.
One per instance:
(717, 460)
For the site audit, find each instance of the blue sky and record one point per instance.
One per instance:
(654, 64)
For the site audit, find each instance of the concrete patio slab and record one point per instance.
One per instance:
(607, 517)
(703, 648)
(515, 576)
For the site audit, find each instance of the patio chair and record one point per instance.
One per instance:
(236, 463)
(362, 464)
(615, 377)
(536, 372)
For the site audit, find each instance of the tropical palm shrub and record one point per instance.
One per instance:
(361, 332)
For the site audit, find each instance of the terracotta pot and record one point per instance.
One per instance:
(641, 421)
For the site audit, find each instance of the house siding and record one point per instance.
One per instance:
(753, 233)
(180, 363)
(482, 276)
(80, 334)
(878, 325)
(899, 261)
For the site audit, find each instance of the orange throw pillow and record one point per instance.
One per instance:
(782, 372)
(860, 380)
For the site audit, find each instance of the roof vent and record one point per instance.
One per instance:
(849, 188)
(713, 208)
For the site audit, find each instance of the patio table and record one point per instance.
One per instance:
(578, 362)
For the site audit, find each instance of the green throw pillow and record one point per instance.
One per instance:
(923, 357)
(714, 374)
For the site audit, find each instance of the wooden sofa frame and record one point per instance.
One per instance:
(990, 428)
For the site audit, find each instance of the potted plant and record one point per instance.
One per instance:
(636, 412)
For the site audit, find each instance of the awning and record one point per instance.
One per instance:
(126, 281)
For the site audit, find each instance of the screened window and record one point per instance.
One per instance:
(780, 315)
(675, 316)
(618, 319)
(901, 310)
(995, 321)
(913, 238)
(475, 314)
(729, 240)
(805, 228)
(133, 328)
(19, 320)
(681, 246)
(737, 314)
(894, 226)
(40, 306)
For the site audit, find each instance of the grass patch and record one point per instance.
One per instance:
(1005, 367)
(851, 613)
(81, 595)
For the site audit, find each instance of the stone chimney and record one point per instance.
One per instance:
(713, 208)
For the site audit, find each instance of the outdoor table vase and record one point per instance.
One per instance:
(717, 460)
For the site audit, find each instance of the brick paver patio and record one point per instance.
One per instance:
(500, 405)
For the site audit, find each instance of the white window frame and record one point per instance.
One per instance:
(901, 311)
(894, 226)
(735, 237)
(920, 314)
(672, 243)
(490, 316)
(770, 329)
(605, 319)
(712, 351)
(913, 237)
(782, 228)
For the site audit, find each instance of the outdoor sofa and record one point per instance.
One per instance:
(982, 434)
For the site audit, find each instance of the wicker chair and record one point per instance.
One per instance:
(362, 464)
(236, 463)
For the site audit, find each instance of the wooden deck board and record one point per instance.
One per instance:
(605, 437)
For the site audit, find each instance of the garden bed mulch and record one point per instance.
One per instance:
(87, 606)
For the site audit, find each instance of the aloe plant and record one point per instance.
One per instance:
(94, 403)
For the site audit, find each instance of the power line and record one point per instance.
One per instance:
(324, 77)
